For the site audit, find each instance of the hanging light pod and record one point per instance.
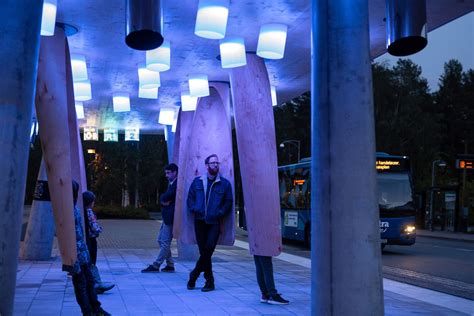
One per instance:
(211, 20)
(271, 41)
(48, 19)
(232, 51)
(198, 85)
(121, 102)
(159, 59)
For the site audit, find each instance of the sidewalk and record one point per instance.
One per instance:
(127, 246)
(445, 235)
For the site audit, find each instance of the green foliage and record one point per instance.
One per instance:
(293, 122)
(117, 212)
(407, 121)
(131, 166)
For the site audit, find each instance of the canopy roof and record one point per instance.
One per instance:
(112, 65)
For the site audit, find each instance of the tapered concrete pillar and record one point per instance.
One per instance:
(255, 130)
(177, 136)
(51, 98)
(345, 254)
(19, 41)
(40, 230)
(169, 142)
(210, 134)
(181, 141)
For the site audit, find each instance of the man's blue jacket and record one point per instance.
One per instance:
(219, 203)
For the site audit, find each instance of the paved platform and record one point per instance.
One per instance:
(127, 246)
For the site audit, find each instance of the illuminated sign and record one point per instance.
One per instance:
(91, 133)
(299, 182)
(386, 164)
(110, 135)
(391, 164)
(465, 163)
(132, 134)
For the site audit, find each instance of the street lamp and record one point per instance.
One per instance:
(442, 164)
(293, 142)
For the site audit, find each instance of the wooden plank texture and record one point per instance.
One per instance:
(51, 110)
(255, 130)
(210, 134)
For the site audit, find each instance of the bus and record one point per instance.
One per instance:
(395, 196)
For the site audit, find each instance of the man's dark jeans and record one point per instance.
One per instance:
(206, 237)
(84, 290)
(264, 267)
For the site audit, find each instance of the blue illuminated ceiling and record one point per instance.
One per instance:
(112, 65)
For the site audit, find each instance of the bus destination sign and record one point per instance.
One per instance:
(383, 164)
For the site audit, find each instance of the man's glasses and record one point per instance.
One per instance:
(215, 163)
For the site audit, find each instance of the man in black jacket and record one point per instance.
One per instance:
(209, 200)
(165, 237)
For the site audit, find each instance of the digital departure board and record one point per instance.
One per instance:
(465, 163)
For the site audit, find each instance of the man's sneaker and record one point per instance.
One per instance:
(276, 299)
(151, 269)
(264, 298)
(167, 269)
(192, 280)
(208, 286)
(100, 288)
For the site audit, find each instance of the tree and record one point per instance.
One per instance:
(406, 119)
(293, 121)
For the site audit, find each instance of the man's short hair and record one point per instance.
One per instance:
(206, 161)
(88, 197)
(172, 167)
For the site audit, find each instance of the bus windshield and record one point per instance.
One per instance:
(294, 187)
(394, 191)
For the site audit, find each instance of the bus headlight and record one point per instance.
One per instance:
(409, 229)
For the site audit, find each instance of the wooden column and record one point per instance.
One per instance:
(255, 130)
(210, 134)
(52, 113)
(77, 156)
(181, 141)
(40, 230)
(20, 23)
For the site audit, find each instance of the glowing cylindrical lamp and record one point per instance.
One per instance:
(274, 95)
(148, 93)
(159, 59)
(48, 20)
(166, 115)
(198, 85)
(121, 102)
(188, 103)
(79, 68)
(148, 79)
(211, 20)
(271, 41)
(82, 90)
(79, 110)
(232, 52)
